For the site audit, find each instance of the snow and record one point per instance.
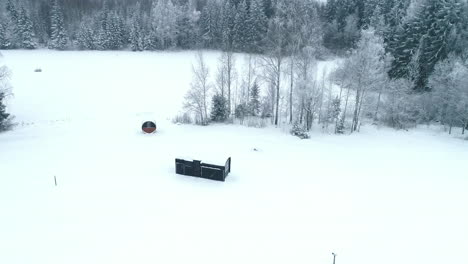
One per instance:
(380, 196)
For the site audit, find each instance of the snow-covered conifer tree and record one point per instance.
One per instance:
(5, 119)
(254, 104)
(58, 36)
(25, 30)
(4, 40)
(240, 27)
(257, 24)
(136, 30)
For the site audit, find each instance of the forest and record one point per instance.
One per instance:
(401, 63)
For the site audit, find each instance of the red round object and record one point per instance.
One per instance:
(149, 127)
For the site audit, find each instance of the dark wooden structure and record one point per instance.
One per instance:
(149, 127)
(198, 169)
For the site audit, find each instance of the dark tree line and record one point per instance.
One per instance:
(237, 25)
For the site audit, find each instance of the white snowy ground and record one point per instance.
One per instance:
(380, 196)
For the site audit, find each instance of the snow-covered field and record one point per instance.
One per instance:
(380, 196)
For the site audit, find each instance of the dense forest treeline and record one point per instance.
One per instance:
(409, 52)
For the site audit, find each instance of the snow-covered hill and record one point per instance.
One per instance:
(378, 196)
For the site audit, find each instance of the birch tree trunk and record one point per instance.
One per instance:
(346, 105)
(278, 80)
(291, 92)
(378, 104)
(356, 111)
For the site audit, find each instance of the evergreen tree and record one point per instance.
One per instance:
(186, 27)
(219, 108)
(12, 23)
(86, 38)
(428, 35)
(377, 21)
(228, 25)
(211, 25)
(299, 131)
(269, 8)
(346, 18)
(240, 27)
(25, 30)
(242, 111)
(163, 24)
(5, 121)
(4, 41)
(102, 40)
(12, 10)
(257, 24)
(330, 10)
(21, 26)
(395, 12)
(370, 7)
(58, 36)
(4, 116)
(254, 104)
(136, 30)
(115, 32)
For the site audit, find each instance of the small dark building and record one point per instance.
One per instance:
(203, 170)
(149, 127)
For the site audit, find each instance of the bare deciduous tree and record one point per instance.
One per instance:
(196, 99)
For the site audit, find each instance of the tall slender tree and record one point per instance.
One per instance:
(58, 36)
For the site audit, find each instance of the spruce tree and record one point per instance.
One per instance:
(4, 41)
(114, 31)
(370, 7)
(240, 27)
(228, 25)
(257, 24)
(86, 37)
(164, 24)
(219, 110)
(4, 116)
(5, 121)
(102, 41)
(268, 8)
(25, 30)
(58, 36)
(428, 35)
(211, 25)
(254, 104)
(330, 10)
(13, 23)
(136, 30)
(186, 28)
(12, 10)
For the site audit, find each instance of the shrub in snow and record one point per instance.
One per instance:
(183, 119)
(340, 127)
(242, 111)
(257, 122)
(299, 131)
